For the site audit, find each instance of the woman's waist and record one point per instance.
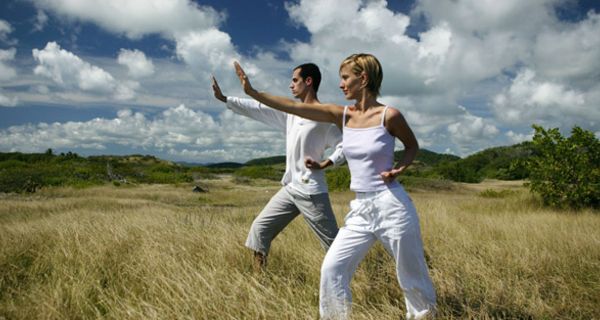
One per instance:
(363, 191)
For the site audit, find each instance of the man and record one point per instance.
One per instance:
(304, 188)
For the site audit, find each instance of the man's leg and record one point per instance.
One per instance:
(317, 212)
(274, 217)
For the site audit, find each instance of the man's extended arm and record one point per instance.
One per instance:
(251, 108)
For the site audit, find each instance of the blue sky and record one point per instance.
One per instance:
(124, 77)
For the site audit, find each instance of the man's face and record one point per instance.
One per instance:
(298, 85)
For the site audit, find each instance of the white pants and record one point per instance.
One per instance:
(390, 217)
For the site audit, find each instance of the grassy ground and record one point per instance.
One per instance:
(163, 252)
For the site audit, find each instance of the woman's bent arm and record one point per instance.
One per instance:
(398, 127)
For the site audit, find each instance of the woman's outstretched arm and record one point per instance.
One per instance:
(323, 112)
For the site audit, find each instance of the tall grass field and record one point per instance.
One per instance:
(164, 252)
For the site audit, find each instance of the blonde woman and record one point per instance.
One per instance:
(382, 210)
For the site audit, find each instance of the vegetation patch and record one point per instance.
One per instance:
(565, 172)
(492, 193)
(428, 184)
(260, 172)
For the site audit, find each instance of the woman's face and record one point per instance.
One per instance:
(350, 82)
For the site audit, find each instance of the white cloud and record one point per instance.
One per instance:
(137, 63)
(126, 90)
(5, 27)
(8, 101)
(463, 58)
(65, 68)
(177, 132)
(206, 49)
(7, 72)
(136, 18)
(515, 138)
(416, 72)
(471, 130)
(571, 53)
(487, 17)
(530, 99)
(509, 63)
(41, 19)
(69, 71)
(5, 30)
(194, 28)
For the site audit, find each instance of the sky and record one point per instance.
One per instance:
(133, 77)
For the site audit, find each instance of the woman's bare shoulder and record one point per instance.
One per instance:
(394, 116)
(393, 113)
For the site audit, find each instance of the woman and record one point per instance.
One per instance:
(382, 210)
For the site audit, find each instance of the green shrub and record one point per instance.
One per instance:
(22, 180)
(242, 180)
(338, 179)
(459, 171)
(565, 172)
(424, 183)
(260, 172)
(491, 193)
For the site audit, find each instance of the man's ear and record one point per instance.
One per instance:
(308, 81)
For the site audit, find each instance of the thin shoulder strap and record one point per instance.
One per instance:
(344, 118)
(383, 115)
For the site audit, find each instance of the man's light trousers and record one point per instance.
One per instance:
(283, 207)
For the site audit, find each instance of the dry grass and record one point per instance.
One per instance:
(163, 252)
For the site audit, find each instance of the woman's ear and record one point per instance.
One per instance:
(364, 80)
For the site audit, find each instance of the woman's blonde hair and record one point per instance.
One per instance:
(367, 63)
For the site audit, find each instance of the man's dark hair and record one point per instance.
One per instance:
(310, 70)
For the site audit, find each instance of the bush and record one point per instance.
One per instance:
(260, 172)
(338, 179)
(565, 172)
(459, 171)
(491, 193)
(411, 183)
(23, 180)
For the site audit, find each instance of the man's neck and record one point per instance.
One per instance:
(310, 97)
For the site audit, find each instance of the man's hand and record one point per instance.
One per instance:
(244, 81)
(217, 90)
(312, 164)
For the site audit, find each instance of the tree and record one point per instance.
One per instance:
(565, 172)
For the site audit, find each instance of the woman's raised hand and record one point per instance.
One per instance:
(244, 81)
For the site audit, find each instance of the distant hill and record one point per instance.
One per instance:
(266, 161)
(505, 163)
(428, 158)
(224, 165)
(424, 156)
(21, 172)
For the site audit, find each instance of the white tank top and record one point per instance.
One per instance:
(369, 152)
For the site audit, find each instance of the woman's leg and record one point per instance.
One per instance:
(403, 241)
(339, 265)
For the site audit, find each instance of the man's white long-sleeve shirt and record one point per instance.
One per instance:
(304, 138)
